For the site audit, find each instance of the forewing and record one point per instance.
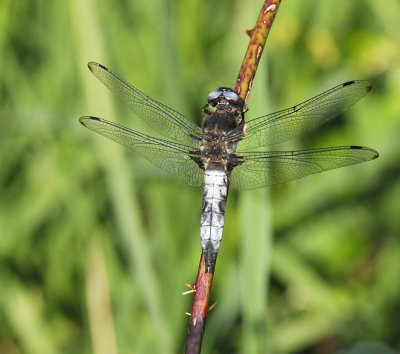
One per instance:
(172, 157)
(286, 124)
(160, 117)
(259, 169)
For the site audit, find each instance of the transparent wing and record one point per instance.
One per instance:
(173, 158)
(161, 118)
(259, 169)
(286, 124)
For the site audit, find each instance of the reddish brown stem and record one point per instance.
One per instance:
(258, 37)
(202, 286)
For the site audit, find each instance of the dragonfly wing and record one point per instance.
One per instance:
(161, 118)
(259, 169)
(284, 125)
(174, 158)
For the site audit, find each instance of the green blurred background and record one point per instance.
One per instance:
(96, 244)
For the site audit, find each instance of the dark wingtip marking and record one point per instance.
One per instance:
(376, 153)
(82, 120)
(92, 64)
(348, 83)
(368, 87)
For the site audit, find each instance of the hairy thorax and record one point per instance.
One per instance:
(217, 146)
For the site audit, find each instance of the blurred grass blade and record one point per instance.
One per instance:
(89, 34)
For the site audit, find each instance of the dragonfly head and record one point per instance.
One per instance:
(225, 99)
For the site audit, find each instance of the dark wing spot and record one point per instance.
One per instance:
(348, 83)
(92, 64)
(234, 160)
(195, 156)
(376, 153)
(83, 119)
(103, 67)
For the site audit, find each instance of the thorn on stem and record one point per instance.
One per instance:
(192, 288)
(188, 313)
(249, 32)
(212, 306)
(188, 292)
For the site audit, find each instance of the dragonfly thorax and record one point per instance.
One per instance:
(217, 147)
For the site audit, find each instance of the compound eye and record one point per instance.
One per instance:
(231, 96)
(213, 95)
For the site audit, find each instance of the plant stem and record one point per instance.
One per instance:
(258, 37)
(202, 286)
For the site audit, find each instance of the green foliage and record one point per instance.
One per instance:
(96, 244)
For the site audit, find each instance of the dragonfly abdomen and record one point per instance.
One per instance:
(213, 214)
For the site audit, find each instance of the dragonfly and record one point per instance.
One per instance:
(227, 151)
